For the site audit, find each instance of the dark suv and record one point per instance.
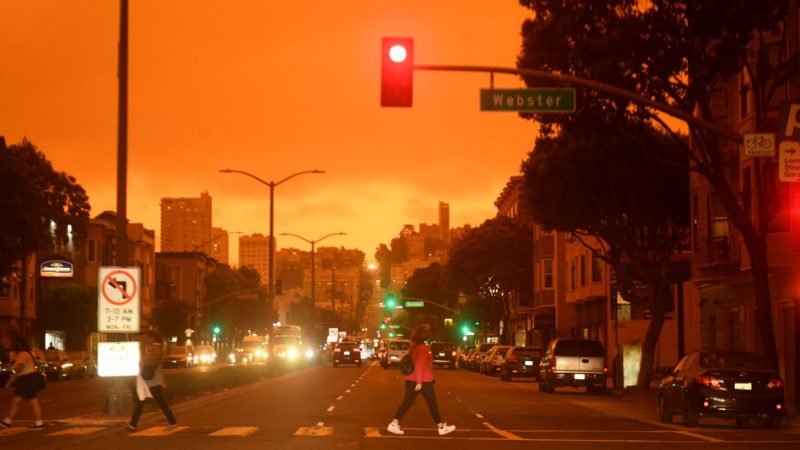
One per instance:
(346, 353)
(444, 354)
(520, 362)
(573, 362)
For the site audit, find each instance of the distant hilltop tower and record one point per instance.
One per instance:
(444, 223)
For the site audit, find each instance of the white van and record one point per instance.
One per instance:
(395, 350)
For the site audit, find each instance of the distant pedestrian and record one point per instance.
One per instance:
(420, 380)
(25, 373)
(150, 381)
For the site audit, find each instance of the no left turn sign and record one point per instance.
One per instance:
(119, 287)
(118, 306)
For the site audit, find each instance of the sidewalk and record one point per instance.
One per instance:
(649, 398)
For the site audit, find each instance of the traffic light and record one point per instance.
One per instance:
(390, 302)
(397, 71)
(216, 329)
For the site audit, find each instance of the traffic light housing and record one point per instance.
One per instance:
(397, 71)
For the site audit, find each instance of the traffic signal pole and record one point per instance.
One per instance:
(595, 85)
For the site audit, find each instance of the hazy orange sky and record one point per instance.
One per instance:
(272, 88)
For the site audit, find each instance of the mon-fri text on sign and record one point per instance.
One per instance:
(554, 100)
(118, 305)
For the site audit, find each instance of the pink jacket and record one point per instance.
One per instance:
(423, 364)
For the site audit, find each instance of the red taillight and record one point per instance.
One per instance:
(774, 383)
(338, 350)
(512, 358)
(709, 381)
(552, 368)
(454, 353)
(605, 369)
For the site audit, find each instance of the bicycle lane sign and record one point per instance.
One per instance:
(118, 307)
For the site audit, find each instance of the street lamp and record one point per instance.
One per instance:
(271, 184)
(312, 242)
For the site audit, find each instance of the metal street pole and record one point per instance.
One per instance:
(271, 184)
(312, 242)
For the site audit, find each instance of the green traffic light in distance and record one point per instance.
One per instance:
(466, 330)
(216, 330)
(390, 302)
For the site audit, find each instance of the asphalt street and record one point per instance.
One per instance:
(349, 407)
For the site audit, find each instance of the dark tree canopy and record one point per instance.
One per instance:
(32, 194)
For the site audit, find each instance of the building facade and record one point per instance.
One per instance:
(186, 224)
(254, 253)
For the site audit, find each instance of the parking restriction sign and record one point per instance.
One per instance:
(118, 306)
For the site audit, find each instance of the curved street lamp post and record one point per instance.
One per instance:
(312, 242)
(271, 184)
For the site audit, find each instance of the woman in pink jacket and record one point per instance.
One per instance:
(421, 380)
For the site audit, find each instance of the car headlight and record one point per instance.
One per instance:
(292, 353)
(258, 352)
(309, 353)
(232, 357)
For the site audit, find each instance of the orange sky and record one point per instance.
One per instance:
(272, 88)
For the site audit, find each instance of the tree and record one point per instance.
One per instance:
(235, 300)
(494, 261)
(33, 196)
(594, 180)
(172, 317)
(73, 309)
(681, 53)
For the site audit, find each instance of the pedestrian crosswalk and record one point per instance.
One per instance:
(60, 430)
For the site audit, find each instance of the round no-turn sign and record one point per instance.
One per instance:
(118, 306)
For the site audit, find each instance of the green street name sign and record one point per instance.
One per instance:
(415, 304)
(555, 100)
(394, 327)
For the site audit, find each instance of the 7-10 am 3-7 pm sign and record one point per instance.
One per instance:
(118, 304)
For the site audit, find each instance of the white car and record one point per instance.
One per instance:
(395, 350)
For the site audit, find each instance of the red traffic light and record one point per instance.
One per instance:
(397, 71)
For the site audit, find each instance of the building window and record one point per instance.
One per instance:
(597, 268)
(583, 270)
(547, 272)
(744, 94)
(572, 272)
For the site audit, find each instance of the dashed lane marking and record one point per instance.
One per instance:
(478, 416)
(503, 433)
(698, 436)
(235, 431)
(80, 431)
(331, 408)
(372, 432)
(157, 431)
(340, 397)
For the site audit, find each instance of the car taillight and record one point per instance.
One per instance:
(709, 381)
(337, 350)
(552, 368)
(774, 383)
(453, 353)
(605, 369)
(512, 358)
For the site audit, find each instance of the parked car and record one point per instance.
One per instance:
(59, 365)
(205, 355)
(395, 350)
(491, 362)
(573, 362)
(83, 364)
(178, 356)
(463, 356)
(732, 385)
(444, 354)
(521, 362)
(347, 353)
(477, 356)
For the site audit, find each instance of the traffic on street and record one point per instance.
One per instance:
(350, 407)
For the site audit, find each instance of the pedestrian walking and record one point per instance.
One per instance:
(420, 380)
(28, 382)
(150, 381)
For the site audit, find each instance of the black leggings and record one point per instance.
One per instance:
(158, 397)
(411, 395)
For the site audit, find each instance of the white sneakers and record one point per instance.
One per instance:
(394, 428)
(446, 429)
